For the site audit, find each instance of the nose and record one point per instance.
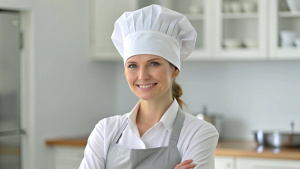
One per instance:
(144, 73)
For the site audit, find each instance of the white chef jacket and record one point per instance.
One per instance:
(197, 140)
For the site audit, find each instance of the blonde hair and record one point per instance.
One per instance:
(177, 93)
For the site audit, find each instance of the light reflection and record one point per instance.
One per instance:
(276, 150)
(260, 148)
(260, 137)
(276, 139)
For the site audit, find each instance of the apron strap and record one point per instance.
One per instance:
(174, 135)
(177, 128)
(119, 134)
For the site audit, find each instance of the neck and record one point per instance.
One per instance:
(151, 111)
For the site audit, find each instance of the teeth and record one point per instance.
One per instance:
(146, 86)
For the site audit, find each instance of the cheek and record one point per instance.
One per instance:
(165, 75)
(129, 77)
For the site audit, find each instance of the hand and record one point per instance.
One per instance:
(187, 164)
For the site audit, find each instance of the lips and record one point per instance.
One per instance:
(146, 86)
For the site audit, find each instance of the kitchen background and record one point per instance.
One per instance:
(69, 93)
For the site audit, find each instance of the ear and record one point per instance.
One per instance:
(176, 72)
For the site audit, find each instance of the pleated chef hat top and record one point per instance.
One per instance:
(154, 30)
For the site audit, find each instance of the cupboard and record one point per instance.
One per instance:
(255, 163)
(227, 29)
(64, 157)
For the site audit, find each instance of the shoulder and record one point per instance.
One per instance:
(197, 141)
(198, 126)
(106, 128)
(101, 137)
(113, 122)
(103, 133)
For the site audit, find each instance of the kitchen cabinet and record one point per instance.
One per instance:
(64, 157)
(222, 162)
(281, 18)
(227, 29)
(103, 15)
(199, 13)
(102, 19)
(68, 153)
(254, 163)
(259, 163)
(240, 32)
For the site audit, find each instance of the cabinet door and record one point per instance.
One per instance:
(66, 157)
(103, 14)
(200, 14)
(224, 162)
(241, 29)
(260, 163)
(284, 30)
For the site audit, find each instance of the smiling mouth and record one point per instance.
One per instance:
(147, 86)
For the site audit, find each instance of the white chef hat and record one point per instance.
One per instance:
(154, 30)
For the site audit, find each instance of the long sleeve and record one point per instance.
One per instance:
(202, 151)
(94, 153)
(98, 142)
(199, 141)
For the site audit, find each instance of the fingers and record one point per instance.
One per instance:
(187, 164)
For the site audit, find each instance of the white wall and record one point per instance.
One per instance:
(72, 93)
(249, 95)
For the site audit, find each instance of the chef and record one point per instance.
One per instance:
(156, 134)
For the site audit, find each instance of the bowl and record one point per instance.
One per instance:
(250, 43)
(248, 6)
(235, 7)
(277, 139)
(287, 38)
(289, 35)
(193, 9)
(287, 43)
(294, 5)
(232, 43)
(226, 7)
(297, 42)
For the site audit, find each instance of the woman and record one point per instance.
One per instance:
(156, 133)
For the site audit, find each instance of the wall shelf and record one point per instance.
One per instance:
(195, 16)
(287, 14)
(240, 16)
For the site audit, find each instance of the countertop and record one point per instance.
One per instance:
(251, 149)
(224, 148)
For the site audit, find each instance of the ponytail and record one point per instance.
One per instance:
(177, 92)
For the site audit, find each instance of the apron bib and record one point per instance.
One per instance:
(122, 157)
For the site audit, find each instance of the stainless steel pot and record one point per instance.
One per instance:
(278, 139)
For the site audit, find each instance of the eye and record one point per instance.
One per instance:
(132, 66)
(154, 64)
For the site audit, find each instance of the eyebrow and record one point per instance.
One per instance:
(153, 59)
(130, 62)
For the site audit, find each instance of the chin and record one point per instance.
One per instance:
(146, 98)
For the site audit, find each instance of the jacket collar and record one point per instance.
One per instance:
(167, 119)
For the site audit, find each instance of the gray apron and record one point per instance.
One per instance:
(121, 157)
